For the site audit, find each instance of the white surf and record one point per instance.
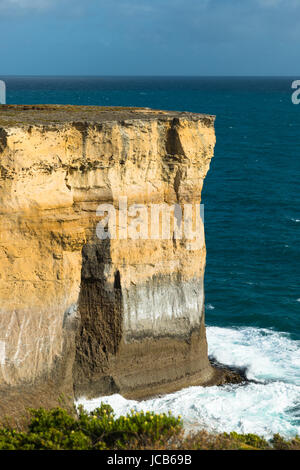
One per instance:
(268, 406)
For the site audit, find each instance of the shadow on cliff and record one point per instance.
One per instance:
(100, 329)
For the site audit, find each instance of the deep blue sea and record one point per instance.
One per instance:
(252, 224)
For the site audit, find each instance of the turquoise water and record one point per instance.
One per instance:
(252, 223)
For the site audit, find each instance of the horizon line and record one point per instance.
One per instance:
(145, 76)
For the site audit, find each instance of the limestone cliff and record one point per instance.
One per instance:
(85, 316)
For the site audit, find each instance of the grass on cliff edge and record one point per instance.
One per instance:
(57, 429)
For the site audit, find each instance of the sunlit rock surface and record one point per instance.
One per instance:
(84, 316)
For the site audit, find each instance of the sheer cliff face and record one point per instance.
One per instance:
(88, 315)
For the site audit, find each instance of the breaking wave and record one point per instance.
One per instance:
(267, 406)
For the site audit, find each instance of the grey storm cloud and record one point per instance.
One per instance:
(194, 36)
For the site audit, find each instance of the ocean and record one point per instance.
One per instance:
(252, 224)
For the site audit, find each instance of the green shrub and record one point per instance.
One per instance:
(251, 440)
(279, 443)
(57, 429)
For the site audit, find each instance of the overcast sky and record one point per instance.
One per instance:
(149, 37)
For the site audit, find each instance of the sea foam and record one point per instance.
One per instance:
(268, 406)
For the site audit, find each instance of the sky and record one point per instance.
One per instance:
(149, 37)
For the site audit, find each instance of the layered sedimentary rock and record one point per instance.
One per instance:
(81, 315)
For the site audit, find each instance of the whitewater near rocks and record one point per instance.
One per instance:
(268, 404)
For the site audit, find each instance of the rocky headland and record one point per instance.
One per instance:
(83, 316)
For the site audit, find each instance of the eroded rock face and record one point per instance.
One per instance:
(83, 315)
